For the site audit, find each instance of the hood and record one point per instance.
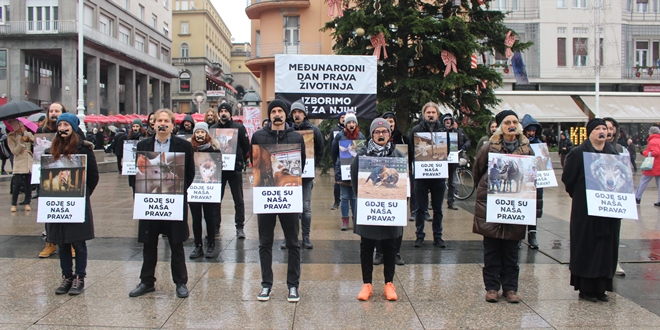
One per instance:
(188, 118)
(447, 116)
(488, 132)
(529, 121)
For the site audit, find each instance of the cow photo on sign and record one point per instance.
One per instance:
(277, 178)
(42, 141)
(610, 186)
(228, 138)
(63, 188)
(511, 189)
(382, 191)
(159, 186)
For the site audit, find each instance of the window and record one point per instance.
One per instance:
(184, 5)
(291, 34)
(88, 15)
(642, 7)
(164, 55)
(500, 5)
(4, 14)
(40, 18)
(185, 51)
(3, 65)
(561, 3)
(641, 53)
(141, 13)
(154, 21)
(561, 30)
(166, 29)
(580, 3)
(580, 30)
(105, 25)
(656, 53)
(139, 42)
(580, 52)
(127, 4)
(184, 28)
(184, 82)
(561, 52)
(124, 34)
(165, 4)
(153, 49)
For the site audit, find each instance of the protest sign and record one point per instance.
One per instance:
(42, 141)
(404, 150)
(347, 152)
(251, 120)
(511, 189)
(228, 138)
(545, 174)
(328, 84)
(382, 186)
(431, 151)
(609, 183)
(128, 159)
(309, 169)
(207, 185)
(453, 148)
(63, 186)
(159, 186)
(276, 170)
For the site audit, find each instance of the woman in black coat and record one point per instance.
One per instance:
(594, 240)
(68, 235)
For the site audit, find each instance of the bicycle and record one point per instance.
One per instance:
(465, 185)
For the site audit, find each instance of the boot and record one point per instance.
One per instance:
(344, 223)
(28, 208)
(77, 286)
(197, 252)
(13, 208)
(210, 251)
(307, 244)
(48, 251)
(335, 205)
(65, 286)
(531, 239)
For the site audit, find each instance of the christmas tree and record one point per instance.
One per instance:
(428, 52)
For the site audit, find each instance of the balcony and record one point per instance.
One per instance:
(264, 54)
(517, 9)
(191, 60)
(633, 16)
(645, 73)
(254, 8)
(20, 28)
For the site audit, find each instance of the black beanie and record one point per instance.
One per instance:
(593, 123)
(278, 103)
(503, 114)
(225, 106)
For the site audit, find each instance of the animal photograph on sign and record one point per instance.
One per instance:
(228, 138)
(543, 161)
(430, 146)
(159, 172)
(64, 177)
(512, 176)
(382, 178)
(208, 167)
(308, 137)
(608, 173)
(42, 141)
(276, 165)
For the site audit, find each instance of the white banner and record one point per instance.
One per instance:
(61, 210)
(277, 200)
(158, 207)
(204, 193)
(431, 170)
(516, 211)
(128, 160)
(545, 174)
(610, 186)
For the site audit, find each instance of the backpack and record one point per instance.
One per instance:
(4, 147)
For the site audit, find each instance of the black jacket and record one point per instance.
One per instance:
(463, 141)
(182, 129)
(286, 136)
(423, 126)
(318, 139)
(565, 143)
(243, 144)
(528, 121)
(180, 231)
(335, 130)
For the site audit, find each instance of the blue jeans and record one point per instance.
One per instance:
(437, 189)
(66, 260)
(306, 220)
(347, 196)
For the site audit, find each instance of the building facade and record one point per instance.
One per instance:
(244, 79)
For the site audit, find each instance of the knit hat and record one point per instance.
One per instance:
(503, 114)
(350, 117)
(378, 122)
(203, 126)
(69, 118)
(225, 106)
(299, 105)
(343, 113)
(654, 130)
(593, 123)
(278, 103)
(137, 122)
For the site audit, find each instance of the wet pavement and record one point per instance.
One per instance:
(438, 288)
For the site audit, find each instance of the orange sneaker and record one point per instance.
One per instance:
(365, 293)
(390, 292)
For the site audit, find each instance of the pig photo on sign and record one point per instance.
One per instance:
(159, 173)
(63, 177)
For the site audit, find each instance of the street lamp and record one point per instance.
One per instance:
(81, 95)
(251, 98)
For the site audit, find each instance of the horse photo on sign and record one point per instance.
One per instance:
(512, 175)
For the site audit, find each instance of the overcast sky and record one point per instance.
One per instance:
(233, 14)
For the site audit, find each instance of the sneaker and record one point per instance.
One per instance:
(210, 252)
(418, 242)
(28, 208)
(77, 286)
(439, 242)
(293, 296)
(334, 206)
(412, 216)
(264, 295)
(398, 260)
(452, 206)
(344, 223)
(390, 292)
(197, 252)
(307, 243)
(378, 258)
(365, 293)
(65, 286)
(619, 271)
(283, 245)
(428, 217)
(512, 297)
(240, 234)
(48, 251)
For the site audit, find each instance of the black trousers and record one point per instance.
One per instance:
(366, 258)
(437, 189)
(290, 225)
(451, 183)
(379, 245)
(501, 264)
(235, 179)
(211, 214)
(150, 258)
(19, 181)
(118, 163)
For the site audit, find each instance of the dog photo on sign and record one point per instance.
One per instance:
(608, 173)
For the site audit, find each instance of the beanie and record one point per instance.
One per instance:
(593, 123)
(654, 130)
(503, 114)
(69, 118)
(225, 106)
(299, 105)
(378, 122)
(203, 126)
(137, 122)
(350, 117)
(278, 103)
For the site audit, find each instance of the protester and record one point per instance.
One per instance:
(71, 237)
(652, 150)
(202, 142)
(379, 145)
(612, 134)
(20, 144)
(565, 146)
(211, 117)
(279, 132)
(235, 177)
(151, 130)
(333, 133)
(594, 240)
(99, 142)
(501, 241)
(451, 126)
(490, 129)
(136, 133)
(351, 132)
(187, 125)
(177, 231)
(428, 123)
(117, 146)
(532, 130)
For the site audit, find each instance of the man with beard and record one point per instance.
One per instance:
(463, 144)
(235, 177)
(279, 132)
(532, 130)
(211, 117)
(136, 133)
(187, 125)
(333, 133)
(612, 134)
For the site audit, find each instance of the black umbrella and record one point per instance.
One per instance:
(15, 109)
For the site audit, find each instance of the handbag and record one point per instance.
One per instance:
(647, 165)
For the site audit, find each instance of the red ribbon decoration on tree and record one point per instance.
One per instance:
(474, 62)
(508, 42)
(377, 42)
(449, 60)
(333, 4)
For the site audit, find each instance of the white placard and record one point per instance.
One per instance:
(228, 162)
(515, 211)
(347, 152)
(431, 170)
(63, 189)
(610, 187)
(277, 200)
(128, 160)
(228, 139)
(308, 138)
(511, 189)
(158, 207)
(61, 210)
(309, 171)
(545, 174)
(42, 142)
(430, 155)
(207, 184)
(204, 193)
(453, 148)
(381, 212)
(611, 205)
(382, 186)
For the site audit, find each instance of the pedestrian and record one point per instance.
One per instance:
(451, 126)
(99, 139)
(20, 144)
(632, 150)
(136, 133)
(501, 241)
(5, 153)
(565, 146)
(279, 132)
(532, 130)
(333, 133)
(652, 150)
(71, 237)
(594, 240)
(177, 231)
(351, 132)
(379, 145)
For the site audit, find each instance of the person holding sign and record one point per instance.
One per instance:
(388, 236)
(20, 144)
(500, 240)
(594, 240)
(653, 151)
(532, 130)
(136, 133)
(351, 132)
(73, 236)
(177, 231)
(463, 145)
(201, 141)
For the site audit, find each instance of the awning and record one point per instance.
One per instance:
(222, 83)
(626, 109)
(544, 108)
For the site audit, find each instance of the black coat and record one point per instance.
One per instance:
(243, 144)
(65, 233)
(594, 240)
(286, 136)
(180, 231)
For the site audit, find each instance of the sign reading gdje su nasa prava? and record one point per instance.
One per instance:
(276, 178)
(511, 195)
(382, 191)
(610, 186)
(430, 155)
(159, 186)
(63, 189)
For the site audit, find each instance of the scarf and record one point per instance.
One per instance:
(373, 149)
(510, 146)
(203, 147)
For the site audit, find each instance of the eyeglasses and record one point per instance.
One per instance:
(511, 122)
(382, 132)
